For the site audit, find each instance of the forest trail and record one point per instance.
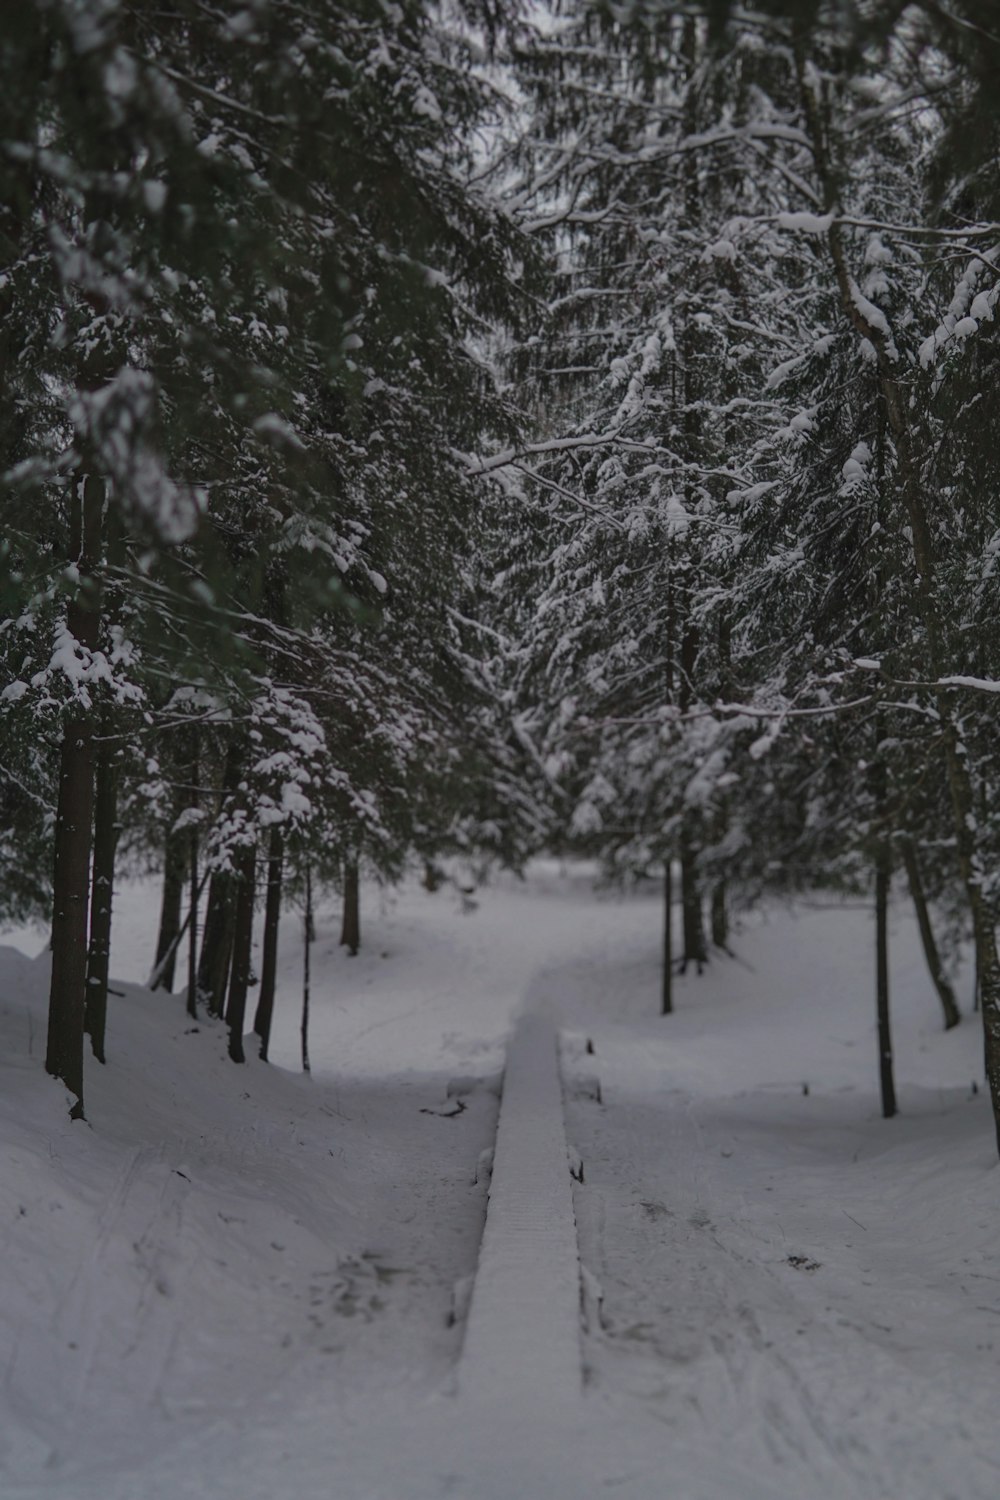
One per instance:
(756, 1291)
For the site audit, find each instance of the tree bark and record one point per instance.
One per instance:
(269, 955)
(720, 915)
(667, 975)
(193, 888)
(74, 816)
(350, 932)
(307, 926)
(216, 942)
(174, 879)
(102, 893)
(882, 879)
(67, 995)
(691, 912)
(217, 932)
(239, 980)
(952, 1014)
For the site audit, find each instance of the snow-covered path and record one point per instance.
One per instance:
(764, 1284)
(238, 1283)
(522, 1333)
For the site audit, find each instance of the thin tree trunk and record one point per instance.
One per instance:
(217, 930)
(882, 879)
(350, 932)
(102, 893)
(106, 829)
(193, 888)
(667, 976)
(269, 955)
(74, 817)
(720, 915)
(216, 942)
(976, 981)
(307, 925)
(239, 980)
(952, 1014)
(153, 981)
(174, 879)
(691, 913)
(67, 996)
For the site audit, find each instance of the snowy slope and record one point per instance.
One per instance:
(791, 1283)
(257, 1270)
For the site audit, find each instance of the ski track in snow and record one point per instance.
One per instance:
(818, 1356)
(241, 1283)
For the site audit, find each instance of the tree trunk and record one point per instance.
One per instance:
(307, 925)
(952, 1014)
(216, 942)
(882, 879)
(350, 932)
(67, 995)
(720, 915)
(102, 893)
(239, 981)
(74, 816)
(174, 879)
(193, 889)
(691, 913)
(667, 977)
(269, 956)
(217, 933)
(153, 982)
(976, 981)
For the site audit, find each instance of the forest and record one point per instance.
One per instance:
(460, 431)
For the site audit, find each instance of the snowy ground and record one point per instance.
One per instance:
(241, 1282)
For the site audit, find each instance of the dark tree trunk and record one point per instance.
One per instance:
(952, 1014)
(667, 974)
(154, 980)
(67, 996)
(350, 932)
(691, 913)
(106, 829)
(193, 888)
(269, 955)
(307, 937)
(975, 980)
(174, 878)
(886, 1082)
(74, 818)
(720, 915)
(217, 933)
(102, 893)
(239, 980)
(216, 942)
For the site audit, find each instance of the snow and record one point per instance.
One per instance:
(246, 1282)
(983, 306)
(527, 1279)
(807, 223)
(980, 684)
(875, 318)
